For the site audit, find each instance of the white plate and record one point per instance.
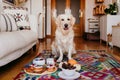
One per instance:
(63, 76)
(44, 73)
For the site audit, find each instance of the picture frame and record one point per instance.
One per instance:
(14, 2)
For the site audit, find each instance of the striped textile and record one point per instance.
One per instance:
(8, 23)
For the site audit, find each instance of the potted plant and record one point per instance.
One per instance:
(113, 9)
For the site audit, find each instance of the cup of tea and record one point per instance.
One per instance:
(50, 61)
(39, 61)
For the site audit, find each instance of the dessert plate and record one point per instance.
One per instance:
(43, 73)
(63, 76)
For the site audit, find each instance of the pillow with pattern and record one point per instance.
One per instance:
(20, 15)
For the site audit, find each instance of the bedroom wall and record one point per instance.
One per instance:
(0, 6)
(36, 6)
(0, 11)
(89, 5)
(49, 17)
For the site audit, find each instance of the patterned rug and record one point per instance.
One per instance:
(96, 65)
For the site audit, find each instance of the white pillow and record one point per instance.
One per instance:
(8, 23)
(21, 17)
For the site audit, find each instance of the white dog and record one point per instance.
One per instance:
(64, 37)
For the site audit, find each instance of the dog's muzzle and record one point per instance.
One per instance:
(66, 27)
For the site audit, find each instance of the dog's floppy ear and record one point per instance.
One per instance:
(72, 20)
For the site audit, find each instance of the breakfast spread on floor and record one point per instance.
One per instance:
(40, 66)
(85, 65)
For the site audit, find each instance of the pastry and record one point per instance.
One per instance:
(72, 61)
(38, 69)
(50, 68)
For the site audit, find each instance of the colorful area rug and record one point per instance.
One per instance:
(96, 65)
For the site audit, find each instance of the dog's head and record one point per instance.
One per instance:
(65, 22)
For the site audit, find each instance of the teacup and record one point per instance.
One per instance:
(39, 61)
(68, 72)
(50, 61)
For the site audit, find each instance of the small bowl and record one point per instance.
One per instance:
(39, 61)
(50, 61)
(68, 72)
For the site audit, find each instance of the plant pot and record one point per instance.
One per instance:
(113, 13)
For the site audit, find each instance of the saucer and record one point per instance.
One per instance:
(63, 76)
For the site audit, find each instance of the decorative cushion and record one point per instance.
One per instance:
(8, 23)
(20, 14)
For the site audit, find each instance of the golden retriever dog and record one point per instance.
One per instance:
(64, 37)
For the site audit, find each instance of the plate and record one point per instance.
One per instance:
(43, 73)
(63, 76)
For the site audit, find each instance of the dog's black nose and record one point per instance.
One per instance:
(66, 25)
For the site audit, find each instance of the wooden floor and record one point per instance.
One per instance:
(8, 72)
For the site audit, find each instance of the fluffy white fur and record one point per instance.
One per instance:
(64, 37)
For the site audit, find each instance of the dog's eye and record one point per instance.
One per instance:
(62, 19)
(68, 19)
